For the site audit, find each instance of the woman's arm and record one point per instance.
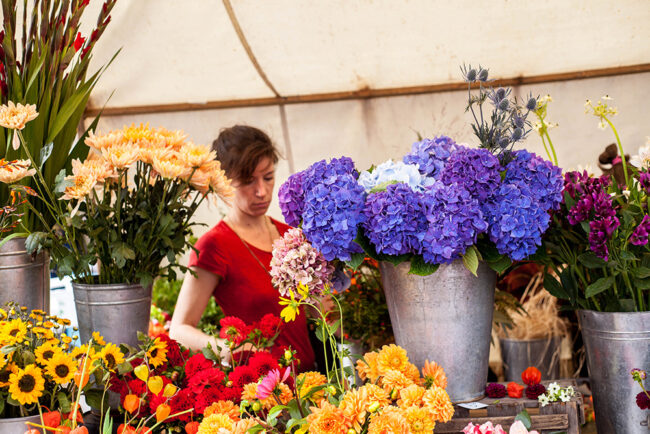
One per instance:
(192, 301)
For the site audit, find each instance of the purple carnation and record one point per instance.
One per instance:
(292, 198)
(431, 155)
(541, 176)
(477, 170)
(395, 221)
(640, 235)
(455, 220)
(517, 221)
(580, 183)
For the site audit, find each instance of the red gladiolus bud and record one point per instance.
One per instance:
(531, 376)
(79, 42)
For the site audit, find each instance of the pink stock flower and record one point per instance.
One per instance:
(268, 384)
(486, 428)
(519, 428)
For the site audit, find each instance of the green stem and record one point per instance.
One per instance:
(548, 154)
(620, 151)
(550, 144)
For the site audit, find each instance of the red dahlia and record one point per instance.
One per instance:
(532, 392)
(242, 375)
(269, 325)
(207, 378)
(233, 329)
(197, 363)
(495, 390)
(643, 401)
(262, 362)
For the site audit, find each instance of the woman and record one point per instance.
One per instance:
(233, 260)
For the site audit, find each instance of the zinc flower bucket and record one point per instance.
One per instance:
(616, 343)
(519, 354)
(25, 279)
(445, 317)
(17, 425)
(117, 311)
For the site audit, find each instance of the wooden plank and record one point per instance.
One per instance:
(540, 422)
(507, 409)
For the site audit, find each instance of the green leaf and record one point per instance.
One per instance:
(12, 401)
(120, 252)
(585, 227)
(642, 284)
(568, 200)
(524, 417)
(107, 428)
(64, 402)
(382, 187)
(209, 353)
(641, 272)
(554, 287)
(255, 429)
(590, 260)
(599, 286)
(355, 260)
(124, 367)
(60, 183)
(275, 411)
(46, 151)
(94, 398)
(470, 260)
(628, 256)
(35, 242)
(421, 268)
(501, 264)
(2, 405)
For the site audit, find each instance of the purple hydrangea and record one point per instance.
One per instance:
(395, 221)
(292, 198)
(477, 170)
(517, 221)
(431, 155)
(454, 220)
(333, 208)
(640, 235)
(542, 177)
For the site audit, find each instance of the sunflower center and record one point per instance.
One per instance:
(110, 360)
(27, 383)
(14, 332)
(62, 370)
(47, 355)
(4, 376)
(154, 353)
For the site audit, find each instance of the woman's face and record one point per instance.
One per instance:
(254, 197)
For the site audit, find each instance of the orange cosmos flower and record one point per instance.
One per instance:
(13, 171)
(392, 357)
(437, 401)
(434, 374)
(327, 419)
(223, 407)
(15, 116)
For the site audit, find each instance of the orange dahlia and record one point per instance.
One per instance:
(355, 407)
(434, 374)
(327, 419)
(367, 367)
(394, 381)
(228, 408)
(420, 420)
(390, 421)
(411, 396)
(309, 380)
(437, 401)
(392, 357)
(376, 394)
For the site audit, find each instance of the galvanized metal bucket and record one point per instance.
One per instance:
(117, 311)
(447, 318)
(518, 354)
(24, 279)
(616, 342)
(17, 425)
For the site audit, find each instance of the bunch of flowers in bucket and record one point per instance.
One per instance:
(166, 384)
(444, 200)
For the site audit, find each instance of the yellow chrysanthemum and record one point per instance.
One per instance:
(394, 381)
(355, 407)
(112, 356)
(420, 420)
(9, 369)
(391, 420)
(249, 393)
(286, 395)
(13, 332)
(242, 426)
(434, 374)
(367, 367)
(213, 423)
(437, 401)
(327, 419)
(410, 396)
(376, 394)
(121, 156)
(15, 116)
(392, 357)
(61, 368)
(26, 385)
(13, 171)
(228, 408)
(195, 156)
(309, 380)
(157, 353)
(46, 351)
(82, 186)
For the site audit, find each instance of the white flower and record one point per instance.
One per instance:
(543, 400)
(602, 125)
(553, 389)
(642, 159)
(564, 396)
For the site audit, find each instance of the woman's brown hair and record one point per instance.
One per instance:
(241, 148)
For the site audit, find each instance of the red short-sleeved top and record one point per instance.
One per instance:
(245, 289)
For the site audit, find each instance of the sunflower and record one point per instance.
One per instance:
(3, 360)
(11, 368)
(26, 385)
(13, 332)
(61, 368)
(99, 340)
(42, 332)
(79, 353)
(3, 314)
(111, 356)
(46, 351)
(157, 353)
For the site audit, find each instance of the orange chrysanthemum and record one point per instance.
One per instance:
(392, 357)
(15, 116)
(195, 156)
(394, 381)
(250, 392)
(94, 166)
(434, 374)
(309, 380)
(367, 367)
(172, 168)
(327, 419)
(81, 187)
(228, 408)
(391, 420)
(13, 171)
(213, 423)
(102, 141)
(411, 396)
(355, 407)
(420, 420)
(376, 394)
(437, 401)
(286, 395)
(121, 155)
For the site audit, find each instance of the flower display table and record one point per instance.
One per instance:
(557, 416)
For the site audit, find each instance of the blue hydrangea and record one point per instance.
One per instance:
(454, 220)
(292, 198)
(333, 208)
(394, 171)
(541, 176)
(431, 154)
(517, 221)
(395, 221)
(477, 170)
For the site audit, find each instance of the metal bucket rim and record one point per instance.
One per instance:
(532, 340)
(595, 313)
(108, 286)
(17, 419)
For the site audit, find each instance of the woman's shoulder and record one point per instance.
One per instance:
(219, 234)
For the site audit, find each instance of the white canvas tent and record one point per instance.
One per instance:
(362, 78)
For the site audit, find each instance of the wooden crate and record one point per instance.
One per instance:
(560, 416)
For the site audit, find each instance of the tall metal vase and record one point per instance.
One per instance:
(23, 278)
(117, 311)
(445, 317)
(18, 425)
(616, 343)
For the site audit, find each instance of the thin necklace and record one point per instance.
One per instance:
(249, 249)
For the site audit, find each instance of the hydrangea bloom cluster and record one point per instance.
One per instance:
(476, 170)
(295, 262)
(395, 220)
(517, 222)
(542, 177)
(391, 171)
(431, 155)
(455, 220)
(292, 198)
